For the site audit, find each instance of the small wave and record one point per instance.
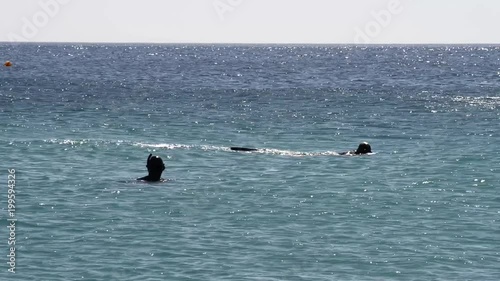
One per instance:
(163, 145)
(211, 147)
(269, 151)
(490, 102)
(172, 146)
(67, 141)
(82, 142)
(295, 153)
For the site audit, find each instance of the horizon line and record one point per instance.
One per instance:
(252, 43)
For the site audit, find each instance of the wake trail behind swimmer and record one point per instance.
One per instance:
(363, 149)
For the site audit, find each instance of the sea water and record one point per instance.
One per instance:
(77, 123)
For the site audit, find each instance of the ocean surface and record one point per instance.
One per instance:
(77, 123)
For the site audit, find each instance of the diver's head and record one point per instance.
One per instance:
(155, 164)
(364, 148)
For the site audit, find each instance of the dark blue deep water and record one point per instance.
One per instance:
(77, 123)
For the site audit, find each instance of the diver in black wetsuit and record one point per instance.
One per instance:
(363, 148)
(155, 168)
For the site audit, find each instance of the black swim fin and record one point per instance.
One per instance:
(243, 149)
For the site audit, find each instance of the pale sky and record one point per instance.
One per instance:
(252, 21)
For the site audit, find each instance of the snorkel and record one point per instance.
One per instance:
(149, 159)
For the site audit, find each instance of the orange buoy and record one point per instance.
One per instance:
(7, 63)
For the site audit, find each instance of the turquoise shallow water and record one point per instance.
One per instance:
(77, 122)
